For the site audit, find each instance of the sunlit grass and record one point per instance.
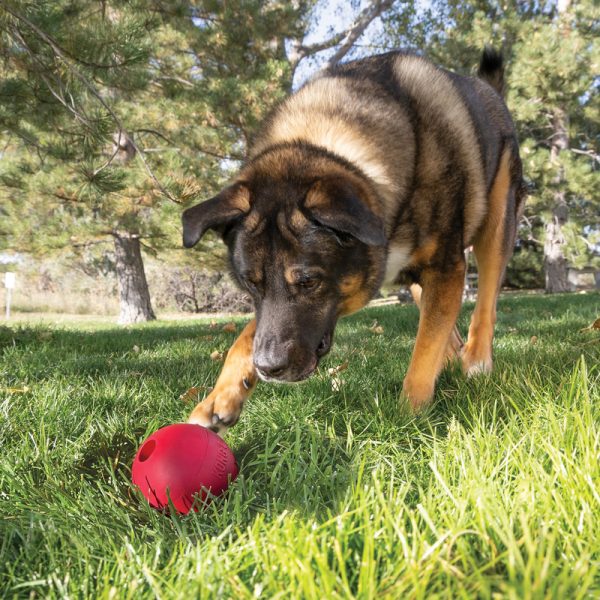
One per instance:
(342, 494)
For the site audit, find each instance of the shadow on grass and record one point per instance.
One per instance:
(105, 340)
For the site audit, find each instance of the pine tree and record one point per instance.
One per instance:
(555, 94)
(114, 113)
(110, 124)
(73, 171)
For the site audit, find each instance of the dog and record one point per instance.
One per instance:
(383, 169)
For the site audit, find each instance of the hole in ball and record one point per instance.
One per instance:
(147, 450)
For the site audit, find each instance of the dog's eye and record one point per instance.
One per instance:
(308, 283)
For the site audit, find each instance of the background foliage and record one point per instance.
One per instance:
(186, 83)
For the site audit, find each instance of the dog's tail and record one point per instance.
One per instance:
(491, 69)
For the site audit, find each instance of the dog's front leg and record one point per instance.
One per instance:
(455, 342)
(440, 304)
(222, 407)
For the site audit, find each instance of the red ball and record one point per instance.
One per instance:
(181, 461)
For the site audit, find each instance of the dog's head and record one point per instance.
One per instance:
(306, 246)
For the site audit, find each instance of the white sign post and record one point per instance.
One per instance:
(9, 284)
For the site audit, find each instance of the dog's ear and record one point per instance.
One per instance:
(336, 204)
(218, 212)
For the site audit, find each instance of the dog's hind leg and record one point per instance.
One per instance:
(455, 342)
(440, 304)
(492, 248)
(222, 407)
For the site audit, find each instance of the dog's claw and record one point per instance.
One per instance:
(226, 421)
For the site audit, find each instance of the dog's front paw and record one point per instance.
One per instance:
(219, 410)
(418, 393)
(476, 358)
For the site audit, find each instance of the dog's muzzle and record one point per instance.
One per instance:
(288, 363)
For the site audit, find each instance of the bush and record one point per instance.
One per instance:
(203, 291)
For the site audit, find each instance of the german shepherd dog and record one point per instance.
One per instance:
(380, 169)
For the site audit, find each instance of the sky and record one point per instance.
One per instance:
(330, 17)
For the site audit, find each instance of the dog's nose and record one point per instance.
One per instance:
(271, 366)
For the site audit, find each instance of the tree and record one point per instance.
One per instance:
(557, 59)
(113, 116)
(68, 76)
(124, 109)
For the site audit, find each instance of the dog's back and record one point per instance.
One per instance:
(428, 139)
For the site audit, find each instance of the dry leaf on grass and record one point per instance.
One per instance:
(334, 372)
(594, 325)
(338, 369)
(230, 327)
(337, 383)
(216, 355)
(533, 340)
(13, 390)
(136, 348)
(376, 328)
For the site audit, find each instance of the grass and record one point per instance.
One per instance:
(494, 492)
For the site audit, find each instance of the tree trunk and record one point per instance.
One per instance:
(133, 288)
(555, 262)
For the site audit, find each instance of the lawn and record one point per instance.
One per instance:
(494, 492)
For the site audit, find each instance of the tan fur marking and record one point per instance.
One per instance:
(327, 129)
(491, 257)
(326, 113)
(235, 383)
(424, 253)
(351, 284)
(316, 196)
(297, 221)
(440, 303)
(455, 342)
(252, 221)
(354, 296)
(291, 273)
(241, 199)
(284, 229)
(441, 103)
(396, 260)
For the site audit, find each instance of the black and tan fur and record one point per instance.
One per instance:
(385, 168)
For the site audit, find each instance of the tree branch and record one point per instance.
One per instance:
(88, 243)
(62, 196)
(590, 153)
(180, 80)
(364, 19)
(156, 133)
(169, 141)
(346, 38)
(66, 52)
